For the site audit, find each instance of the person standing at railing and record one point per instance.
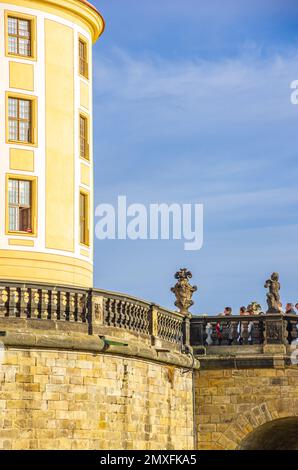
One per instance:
(290, 327)
(290, 309)
(249, 310)
(218, 330)
(240, 326)
(242, 311)
(227, 312)
(280, 307)
(296, 306)
(230, 330)
(219, 327)
(230, 327)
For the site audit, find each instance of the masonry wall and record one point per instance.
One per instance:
(232, 403)
(69, 400)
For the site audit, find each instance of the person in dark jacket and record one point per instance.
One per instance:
(290, 309)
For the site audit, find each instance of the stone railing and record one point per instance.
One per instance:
(243, 330)
(138, 316)
(169, 326)
(127, 313)
(43, 302)
(95, 310)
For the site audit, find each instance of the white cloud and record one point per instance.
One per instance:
(219, 132)
(122, 77)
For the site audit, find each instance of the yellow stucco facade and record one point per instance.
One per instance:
(46, 160)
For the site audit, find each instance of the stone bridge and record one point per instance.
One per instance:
(247, 395)
(90, 369)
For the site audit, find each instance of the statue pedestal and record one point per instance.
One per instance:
(275, 330)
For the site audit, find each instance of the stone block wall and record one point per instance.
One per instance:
(55, 399)
(231, 403)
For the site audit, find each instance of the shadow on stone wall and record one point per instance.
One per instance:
(280, 434)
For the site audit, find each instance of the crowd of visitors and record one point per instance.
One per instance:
(251, 309)
(255, 309)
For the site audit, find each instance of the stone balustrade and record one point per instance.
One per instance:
(138, 316)
(243, 330)
(43, 302)
(94, 311)
(97, 311)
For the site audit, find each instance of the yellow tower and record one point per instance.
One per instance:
(46, 161)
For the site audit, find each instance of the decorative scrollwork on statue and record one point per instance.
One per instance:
(183, 291)
(254, 308)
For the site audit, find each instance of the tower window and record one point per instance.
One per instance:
(84, 219)
(19, 120)
(19, 205)
(83, 59)
(84, 144)
(19, 36)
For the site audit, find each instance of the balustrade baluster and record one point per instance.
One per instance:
(54, 315)
(81, 308)
(71, 306)
(62, 306)
(24, 303)
(107, 312)
(14, 302)
(4, 301)
(34, 303)
(122, 316)
(45, 303)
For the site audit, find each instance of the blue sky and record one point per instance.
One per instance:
(192, 105)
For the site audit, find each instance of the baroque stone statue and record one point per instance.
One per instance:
(273, 297)
(183, 290)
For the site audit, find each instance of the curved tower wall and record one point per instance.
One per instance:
(46, 159)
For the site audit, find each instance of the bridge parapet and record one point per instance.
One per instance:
(247, 330)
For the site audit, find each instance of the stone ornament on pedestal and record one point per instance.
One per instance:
(275, 328)
(183, 291)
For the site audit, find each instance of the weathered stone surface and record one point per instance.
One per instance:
(125, 403)
(242, 401)
(62, 388)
